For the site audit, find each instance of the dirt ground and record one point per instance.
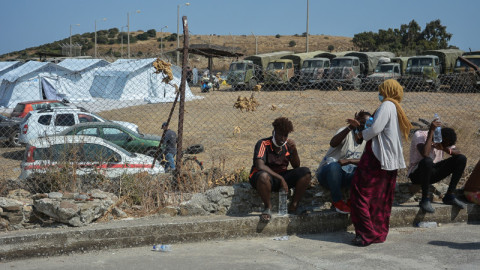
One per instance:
(229, 135)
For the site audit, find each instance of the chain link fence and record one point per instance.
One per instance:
(118, 107)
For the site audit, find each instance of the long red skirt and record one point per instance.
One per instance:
(372, 193)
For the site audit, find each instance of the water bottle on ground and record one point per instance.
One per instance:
(162, 248)
(437, 134)
(427, 224)
(282, 203)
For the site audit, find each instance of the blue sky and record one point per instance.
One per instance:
(29, 23)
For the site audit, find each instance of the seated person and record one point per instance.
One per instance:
(427, 165)
(345, 151)
(269, 172)
(472, 187)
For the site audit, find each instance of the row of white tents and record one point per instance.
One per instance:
(83, 80)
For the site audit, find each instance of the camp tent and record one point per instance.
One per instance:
(76, 85)
(31, 81)
(298, 58)
(127, 79)
(8, 66)
(262, 60)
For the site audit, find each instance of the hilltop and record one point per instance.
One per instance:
(147, 44)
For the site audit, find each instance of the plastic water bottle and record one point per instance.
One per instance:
(437, 134)
(427, 224)
(369, 122)
(331, 159)
(349, 168)
(282, 203)
(162, 248)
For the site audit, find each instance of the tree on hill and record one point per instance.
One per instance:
(409, 37)
(152, 33)
(142, 36)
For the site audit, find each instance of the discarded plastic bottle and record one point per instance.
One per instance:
(349, 168)
(162, 248)
(437, 134)
(427, 224)
(282, 203)
(369, 122)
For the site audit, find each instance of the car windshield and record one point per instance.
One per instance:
(275, 65)
(312, 63)
(341, 62)
(237, 66)
(420, 62)
(384, 69)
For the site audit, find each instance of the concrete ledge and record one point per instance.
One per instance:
(146, 231)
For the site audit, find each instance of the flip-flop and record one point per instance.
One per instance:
(266, 212)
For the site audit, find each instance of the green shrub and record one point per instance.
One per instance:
(292, 43)
(277, 36)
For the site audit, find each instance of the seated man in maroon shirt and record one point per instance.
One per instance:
(269, 171)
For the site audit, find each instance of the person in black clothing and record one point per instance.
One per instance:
(169, 147)
(269, 172)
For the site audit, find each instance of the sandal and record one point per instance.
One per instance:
(266, 215)
(358, 241)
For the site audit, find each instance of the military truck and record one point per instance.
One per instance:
(242, 74)
(278, 74)
(344, 72)
(466, 75)
(384, 71)
(423, 71)
(312, 72)
(370, 60)
(298, 59)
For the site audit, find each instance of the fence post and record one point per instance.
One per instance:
(181, 112)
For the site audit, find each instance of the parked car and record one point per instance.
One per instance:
(117, 134)
(23, 108)
(9, 131)
(85, 155)
(53, 121)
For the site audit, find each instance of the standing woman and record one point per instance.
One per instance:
(373, 185)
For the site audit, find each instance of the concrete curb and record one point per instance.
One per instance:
(146, 231)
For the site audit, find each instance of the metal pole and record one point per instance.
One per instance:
(95, 38)
(121, 40)
(178, 40)
(128, 34)
(70, 40)
(256, 44)
(307, 23)
(181, 109)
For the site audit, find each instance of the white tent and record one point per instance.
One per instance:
(31, 81)
(76, 85)
(127, 79)
(7, 66)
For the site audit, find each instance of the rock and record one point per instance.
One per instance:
(119, 213)
(10, 204)
(4, 224)
(55, 195)
(19, 194)
(168, 211)
(39, 196)
(440, 188)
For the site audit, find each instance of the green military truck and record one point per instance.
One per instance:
(343, 73)
(312, 72)
(248, 72)
(370, 60)
(466, 74)
(426, 71)
(331, 55)
(298, 59)
(278, 74)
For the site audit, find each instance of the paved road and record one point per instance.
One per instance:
(453, 246)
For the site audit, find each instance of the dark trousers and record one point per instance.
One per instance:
(428, 172)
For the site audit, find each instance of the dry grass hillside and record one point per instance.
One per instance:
(245, 43)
